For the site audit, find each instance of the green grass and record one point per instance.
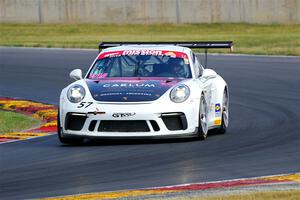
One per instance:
(252, 39)
(11, 122)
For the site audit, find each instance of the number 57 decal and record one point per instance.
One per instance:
(84, 104)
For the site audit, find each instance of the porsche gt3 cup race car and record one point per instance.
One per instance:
(137, 90)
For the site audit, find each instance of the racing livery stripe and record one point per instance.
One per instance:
(287, 178)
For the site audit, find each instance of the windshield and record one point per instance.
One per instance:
(141, 63)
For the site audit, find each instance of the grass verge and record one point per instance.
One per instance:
(11, 122)
(248, 38)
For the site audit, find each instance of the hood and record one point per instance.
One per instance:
(129, 89)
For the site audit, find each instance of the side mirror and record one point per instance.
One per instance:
(76, 74)
(208, 74)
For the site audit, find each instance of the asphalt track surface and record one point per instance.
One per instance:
(263, 137)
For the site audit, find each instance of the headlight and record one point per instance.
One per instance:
(180, 93)
(76, 93)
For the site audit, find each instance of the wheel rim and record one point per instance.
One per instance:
(203, 116)
(225, 106)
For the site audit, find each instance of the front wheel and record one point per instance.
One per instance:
(202, 124)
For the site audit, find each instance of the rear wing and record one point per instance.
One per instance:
(195, 45)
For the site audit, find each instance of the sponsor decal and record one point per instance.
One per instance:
(142, 52)
(146, 52)
(218, 122)
(138, 85)
(117, 115)
(218, 114)
(98, 75)
(109, 94)
(138, 93)
(186, 61)
(134, 90)
(111, 55)
(217, 107)
(171, 54)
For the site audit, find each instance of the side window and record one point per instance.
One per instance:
(197, 66)
(193, 57)
(200, 66)
(99, 70)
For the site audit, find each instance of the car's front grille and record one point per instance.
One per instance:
(173, 122)
(123, 126)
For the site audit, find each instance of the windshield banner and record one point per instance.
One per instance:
(146, 52)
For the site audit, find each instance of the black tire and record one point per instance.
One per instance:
(72, 141)
(202, 124)
(225, 114)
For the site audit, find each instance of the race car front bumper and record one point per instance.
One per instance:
(130, 120)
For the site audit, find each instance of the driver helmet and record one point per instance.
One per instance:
(177, 65)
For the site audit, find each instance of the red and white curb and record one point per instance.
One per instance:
(256, 181)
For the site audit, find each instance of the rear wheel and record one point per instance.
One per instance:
(63, 139)
(225, 114)
(202, 126)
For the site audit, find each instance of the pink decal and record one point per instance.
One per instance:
(92, 76)
(173, 54)
(142, 52)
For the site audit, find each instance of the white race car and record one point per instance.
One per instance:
(137, 90)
